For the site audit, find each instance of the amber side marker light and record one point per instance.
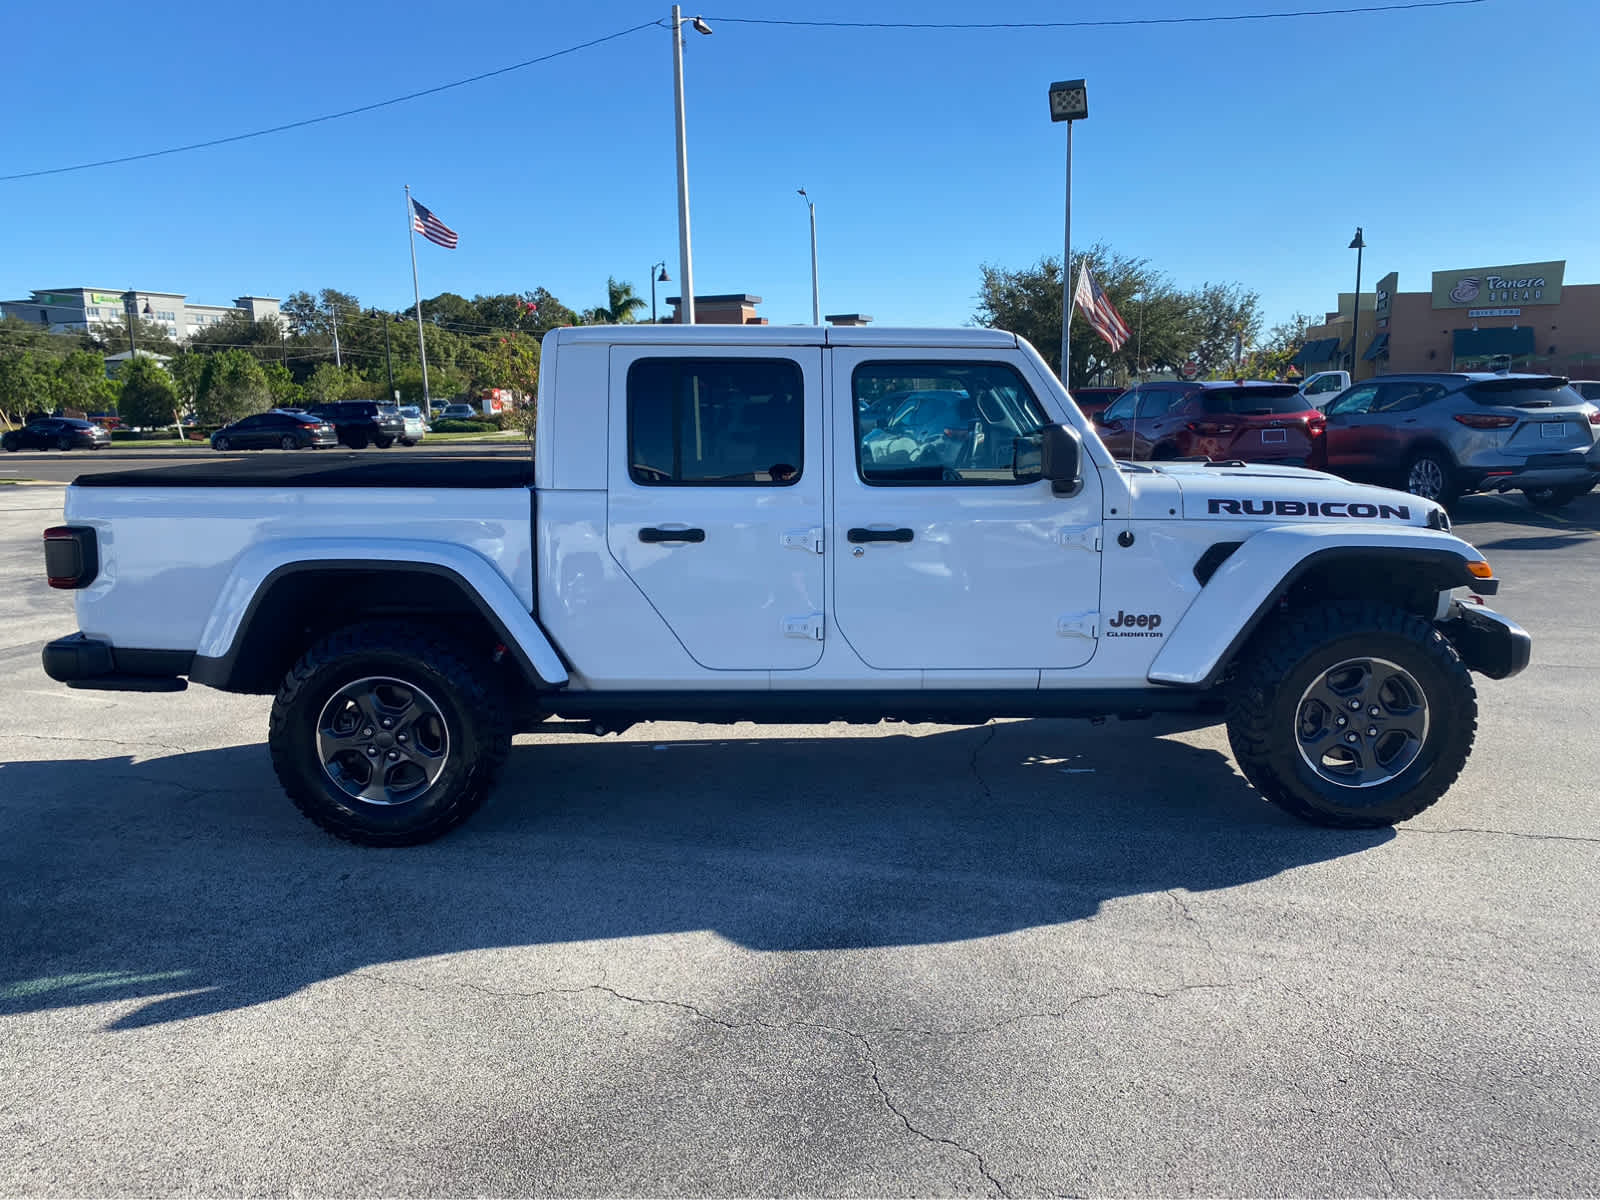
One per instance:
(1480, 570)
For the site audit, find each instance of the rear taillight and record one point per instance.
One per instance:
(1317, 426)
(1486, 420)
(1211, 428)
(1594, 417)
(71, 556)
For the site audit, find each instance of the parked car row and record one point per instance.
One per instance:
(1437, 435)
(353, 423)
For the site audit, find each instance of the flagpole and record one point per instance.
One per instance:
(416, 290)
(1066, 277)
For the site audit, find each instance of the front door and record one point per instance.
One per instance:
(1352, 433)
(943, 559)
(715, 504)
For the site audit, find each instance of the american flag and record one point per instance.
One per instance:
(430, 227)
(1098, 310)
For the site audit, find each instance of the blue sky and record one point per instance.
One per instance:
(1239, 151)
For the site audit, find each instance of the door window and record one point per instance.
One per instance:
(958, 423)
(1328, 383)
(1403, 397)
(1122, 408)
(1356, 400)
(715, 421)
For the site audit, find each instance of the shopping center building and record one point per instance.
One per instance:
(1519, 317)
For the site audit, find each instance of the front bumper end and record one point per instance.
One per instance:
(1490, 644)
(80, 661)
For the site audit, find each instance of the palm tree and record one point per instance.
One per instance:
(622, 306)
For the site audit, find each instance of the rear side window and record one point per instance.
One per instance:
(1262, 401)
(715, 421)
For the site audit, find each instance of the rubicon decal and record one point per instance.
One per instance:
(1140, 625)
(1358, 509)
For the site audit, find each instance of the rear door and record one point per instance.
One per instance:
(715, 498)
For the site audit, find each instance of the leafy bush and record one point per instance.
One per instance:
(448, 426)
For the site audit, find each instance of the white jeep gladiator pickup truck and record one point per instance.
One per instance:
(720, 524)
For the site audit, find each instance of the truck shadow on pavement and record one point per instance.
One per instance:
(190, 881)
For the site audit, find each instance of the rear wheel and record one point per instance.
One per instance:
(385, 734)
(1432, 476)
(1551, 498)
(382, 442)
(356, 441)
(1353, 716)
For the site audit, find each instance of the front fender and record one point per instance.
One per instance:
(262, 564)
(1251, 581)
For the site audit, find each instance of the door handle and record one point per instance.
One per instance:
(879, 535)
(651, 534)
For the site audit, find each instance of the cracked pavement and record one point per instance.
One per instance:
(1031, 958)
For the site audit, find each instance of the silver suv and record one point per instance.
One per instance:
(1439, 436)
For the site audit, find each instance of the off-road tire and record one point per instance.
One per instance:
(1449, 485)
(1283, 660)
(1552, 498)
(356, 441)
(469, 700)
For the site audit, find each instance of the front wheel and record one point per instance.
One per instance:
(288, 443)
(63, 443)
(220, 443)
(356, 441)
(1549, 499)
(1354, 716)
(383, 443)
(386, 734)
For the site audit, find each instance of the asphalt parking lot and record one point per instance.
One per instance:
(1032, 958)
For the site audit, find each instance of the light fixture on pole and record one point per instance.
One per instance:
(685, 260)
(1358, 244)
(1069, 102)
(816, 300)
(655, 278)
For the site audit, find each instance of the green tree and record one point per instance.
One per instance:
(149, 397)
(327, 384)
(508, 362)
(185, 369)
(621, 305)
(286, 393)
(111, 337)
(1270, 359)
(1222, 312)
(24, 385)
(79, 383)
(232, 385)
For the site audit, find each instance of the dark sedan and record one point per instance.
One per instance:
(281, 429)
(56, 433)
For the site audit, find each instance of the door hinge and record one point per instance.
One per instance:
(803, 539)
(808, 627)
(1082, 625)
(1081, 539)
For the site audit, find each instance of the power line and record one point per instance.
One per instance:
(1098, 24)
(335, 116)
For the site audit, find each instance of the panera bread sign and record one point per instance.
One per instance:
(1482, 287)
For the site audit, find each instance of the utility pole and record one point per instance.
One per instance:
(130, 302)
(685, 260)
(338, 361)
(388, 357)
(816, 300)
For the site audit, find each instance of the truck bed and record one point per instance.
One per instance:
(330, 469)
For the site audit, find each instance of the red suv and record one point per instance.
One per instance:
(1255, 422)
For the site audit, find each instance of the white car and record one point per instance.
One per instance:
(416, 427)
(698, 536)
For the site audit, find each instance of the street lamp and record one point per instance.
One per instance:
(1069, 102)
(1358, 244)
(816, 301)
(655, 278)
(685, 261)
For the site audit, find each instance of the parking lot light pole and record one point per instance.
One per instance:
(1358, 244)
(658, 274)
(816, 300)
(1069, 102)
(685, 259)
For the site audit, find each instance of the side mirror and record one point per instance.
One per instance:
(1061, 454)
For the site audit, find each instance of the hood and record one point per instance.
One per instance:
(1258, 492)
